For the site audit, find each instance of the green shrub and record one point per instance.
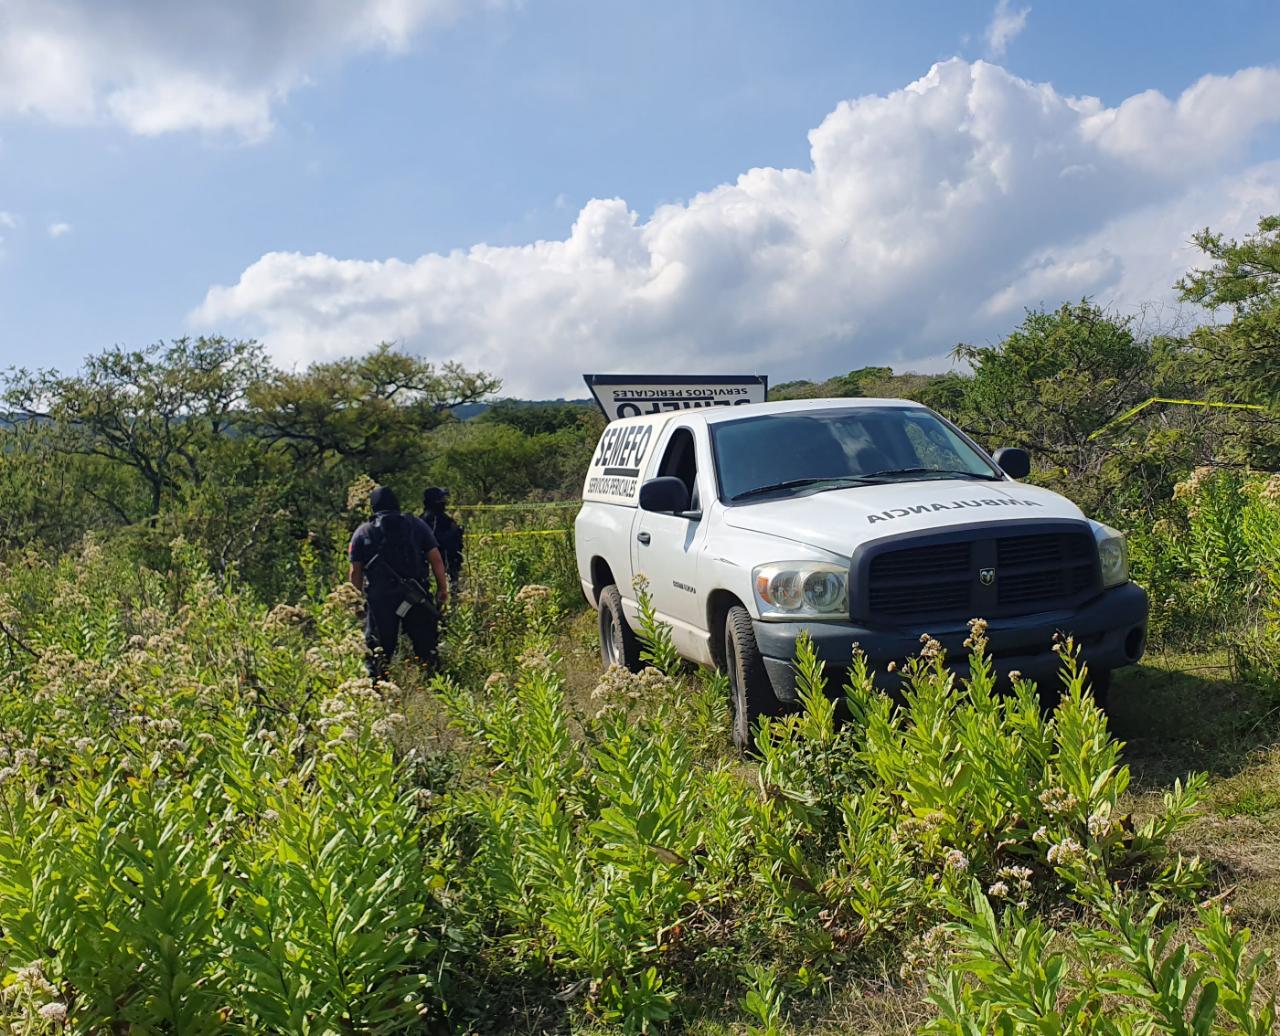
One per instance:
(1212, 566)
(214, 823)
(1123, 971)
(207, 827)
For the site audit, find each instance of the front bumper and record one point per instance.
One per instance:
(1110, 630)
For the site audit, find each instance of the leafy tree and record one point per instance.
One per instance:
(372, 409)
(1053, 382)
(942, 392)
(44, 502)
(801, 389)
(856, 382)
(1240, 360)
(541, 418)
(154, 410)
(486, 462)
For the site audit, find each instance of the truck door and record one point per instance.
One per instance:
(665, 547)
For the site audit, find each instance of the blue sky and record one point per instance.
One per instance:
(173, 152)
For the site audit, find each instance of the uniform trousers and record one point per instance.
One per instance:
(382, 628)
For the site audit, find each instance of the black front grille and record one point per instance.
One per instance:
(941, 575)
(923, 562)
(1031, 550)
(914, 579)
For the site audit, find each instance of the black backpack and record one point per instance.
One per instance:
(448, 533)
(395, 550)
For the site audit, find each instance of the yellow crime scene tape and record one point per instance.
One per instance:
(521, 532)
(1128, 414)
(532, 506)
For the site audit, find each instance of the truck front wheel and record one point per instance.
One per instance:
(750, 692)
(618, 644)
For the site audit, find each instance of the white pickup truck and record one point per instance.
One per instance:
(867, 521)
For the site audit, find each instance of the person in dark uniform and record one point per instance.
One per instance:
(390, 556)
(447, 531)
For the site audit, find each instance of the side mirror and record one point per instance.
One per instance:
(1013, 462)
(666, 495)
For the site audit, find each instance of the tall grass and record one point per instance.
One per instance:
(213, 823)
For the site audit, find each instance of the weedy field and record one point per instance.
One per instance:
(214, 823)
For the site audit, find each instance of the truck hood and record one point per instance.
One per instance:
(838, 520)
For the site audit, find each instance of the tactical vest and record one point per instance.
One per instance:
(395, 548)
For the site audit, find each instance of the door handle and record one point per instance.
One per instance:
(643, 537)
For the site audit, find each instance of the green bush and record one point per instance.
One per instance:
(1212, 566)
(213, 823)
(1123, 971)
(207, 825)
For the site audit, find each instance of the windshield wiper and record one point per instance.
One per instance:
(799, 483)
(890, 472)
(836, 481)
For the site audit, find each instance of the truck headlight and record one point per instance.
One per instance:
(1113, 555)
(801, 590)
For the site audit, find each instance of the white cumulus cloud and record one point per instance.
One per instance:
(1007, 23)
(928, 216)
(59, 229)
(155, 66)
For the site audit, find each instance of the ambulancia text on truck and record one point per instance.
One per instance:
(868, 521)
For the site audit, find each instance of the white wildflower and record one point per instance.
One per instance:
(532, 597)
(55, 1012)
(1100, 823)
(387, 726)
(1065, 853)
(1057, 801)
(931, 649)
(977, 639)
(31, 975)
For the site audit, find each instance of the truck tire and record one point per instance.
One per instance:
(618, 644)
(750, 691)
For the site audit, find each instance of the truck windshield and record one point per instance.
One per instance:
(831, 449)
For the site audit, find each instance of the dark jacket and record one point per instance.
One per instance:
(448, 534)
(392, 541)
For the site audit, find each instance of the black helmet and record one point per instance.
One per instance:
(383, 499)
(435, 496)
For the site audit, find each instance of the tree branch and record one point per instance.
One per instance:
(16, 640)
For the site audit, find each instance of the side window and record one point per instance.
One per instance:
(680, 461)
